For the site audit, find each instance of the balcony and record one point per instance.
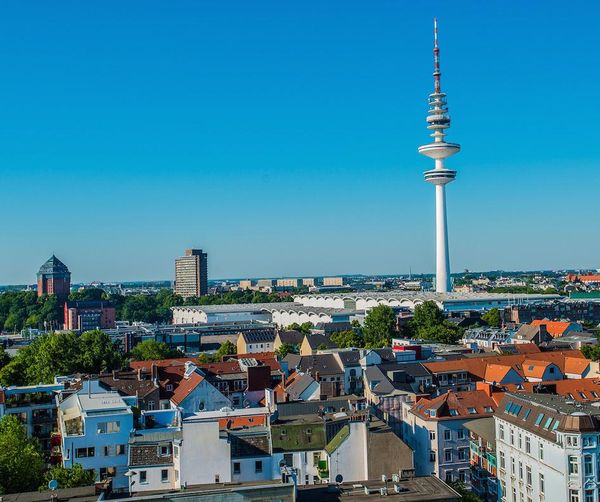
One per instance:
(21, 400)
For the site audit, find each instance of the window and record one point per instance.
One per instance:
(502, 460)
(573, 495)
(176, 451)
(573, 465)
(217, 479)
(539, 419)
(150, 405)
(541, 451)
(488, 409)
(588, 466)
(520, 441)
(109, 451)
(512, 437)
(528, 475)
(109, 427)
(107, 472)
(448, 476)
(512, 466)
(431, 456)
(432, 435)
(120, 449)
(237, 468)
(448, 455)
(143, 477)
(316, 458)
(85, 452)
(589, 496)
(527, 412)
(460, 433)
(447, 435)
(462, 475)
(258, 466)
(453, 412)
(164, 450)
(501, 431)
(462, 454)
(527, 444)
(520, 470)
(542, 483)
(169, 387)
(472, 411)
(164, 475)
(548, 422)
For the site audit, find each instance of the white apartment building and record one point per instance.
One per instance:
(547, 449)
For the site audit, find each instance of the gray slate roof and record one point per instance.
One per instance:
(53, 266)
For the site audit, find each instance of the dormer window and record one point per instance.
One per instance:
(453, 412)
(472, 411)
(431, 412)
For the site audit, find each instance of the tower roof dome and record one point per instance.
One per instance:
(53, 266)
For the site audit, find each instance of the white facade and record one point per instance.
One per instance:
(350, 458)
(533, 468)
(203, 456)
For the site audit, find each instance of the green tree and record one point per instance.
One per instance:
(286, 348)
(21, 461)
(322, 346)
(465, 494)
(428, 323)
(346, 339)
(151, 350)
(379, 327)
(98, 353)
(305, 327)
(591, 351)
(61, 354)
(4, 357)
(68, 478)
(492, 318)
(227, 348)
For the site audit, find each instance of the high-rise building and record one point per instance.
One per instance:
(54, 278)
(438, 121)
(191, 278)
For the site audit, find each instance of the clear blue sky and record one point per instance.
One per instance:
(281, 137)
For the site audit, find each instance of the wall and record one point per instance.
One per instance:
(201, 441)
(350, 459)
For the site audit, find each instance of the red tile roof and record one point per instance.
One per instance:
(186, 387)
(554, 328)
(477, 366)
(456, 405)
(243, 422)
(568, 388)
(527, 348)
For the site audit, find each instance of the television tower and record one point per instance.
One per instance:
(438, 121)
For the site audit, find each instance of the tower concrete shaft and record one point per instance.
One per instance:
(438, 121)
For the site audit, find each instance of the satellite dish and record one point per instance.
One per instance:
(53, 484)
(339, 478)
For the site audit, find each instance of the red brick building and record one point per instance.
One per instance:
(54, 278)
(89, 315)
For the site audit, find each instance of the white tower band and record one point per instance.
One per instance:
(438, 121)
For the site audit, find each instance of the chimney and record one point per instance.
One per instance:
(154, 370)
(115, 374)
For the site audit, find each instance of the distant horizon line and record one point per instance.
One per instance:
(421, 274)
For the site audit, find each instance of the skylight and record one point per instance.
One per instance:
(527, 412)
(539, 418)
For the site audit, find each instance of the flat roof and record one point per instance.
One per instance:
(105, 401)
(265, 307)
(431, 295)
(422, 489)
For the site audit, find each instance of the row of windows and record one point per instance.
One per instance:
(108, 451)
(258, 467)
(164, 476)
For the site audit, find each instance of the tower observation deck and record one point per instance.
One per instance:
(438, 121)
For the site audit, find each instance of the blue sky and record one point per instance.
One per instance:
(281, 137)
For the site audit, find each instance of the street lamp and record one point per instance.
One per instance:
(129, 475)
